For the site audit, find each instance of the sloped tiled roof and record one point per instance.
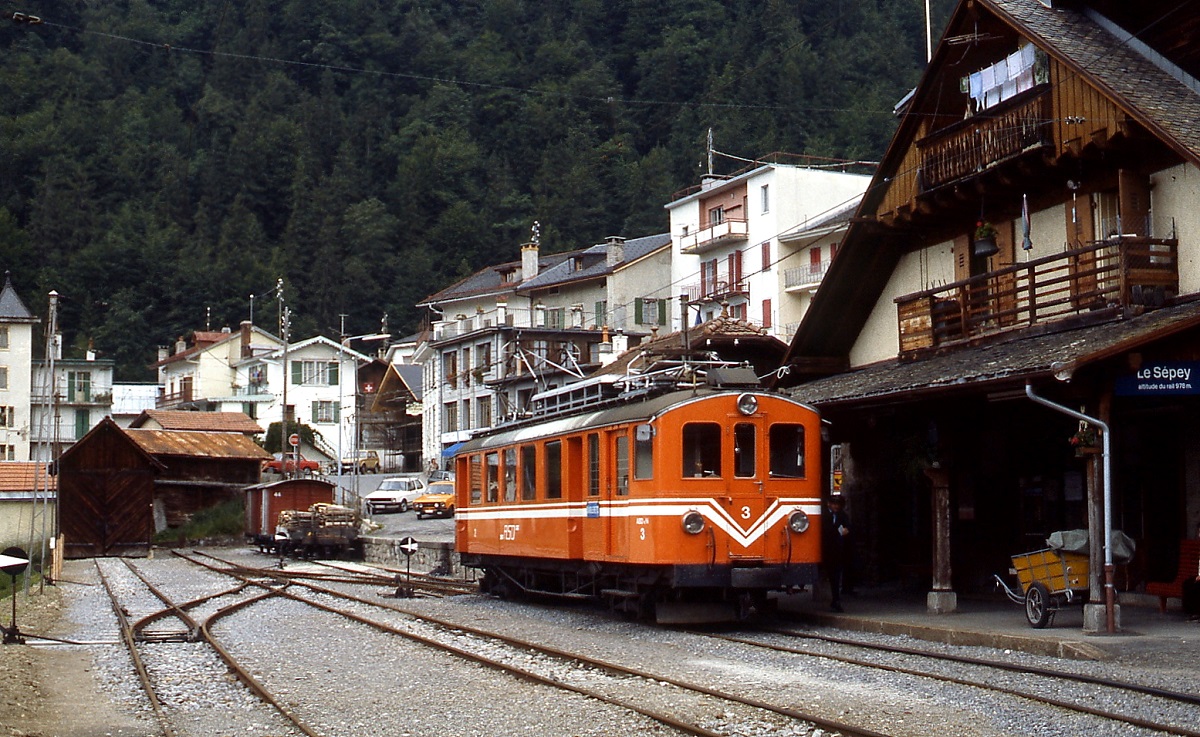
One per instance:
(1157, 100)
(198, 444)
(595, 262)
(723, 329)
(552, 268)
(170, 419)
(25, 476)
(1060, 353)
(12, 309)
(488, 280)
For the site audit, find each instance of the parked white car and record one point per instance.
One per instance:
(394, 494)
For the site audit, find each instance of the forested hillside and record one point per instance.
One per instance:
(163, 160)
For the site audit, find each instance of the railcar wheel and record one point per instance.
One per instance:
(1037, 605)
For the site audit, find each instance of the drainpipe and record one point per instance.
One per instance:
(1109, 589)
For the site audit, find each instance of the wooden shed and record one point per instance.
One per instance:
(264, 502)
(106, 494)
(119, 487)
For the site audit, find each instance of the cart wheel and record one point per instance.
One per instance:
(1037, 605)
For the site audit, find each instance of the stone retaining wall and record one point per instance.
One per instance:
(436, 558)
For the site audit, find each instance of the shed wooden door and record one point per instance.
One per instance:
(107, 513)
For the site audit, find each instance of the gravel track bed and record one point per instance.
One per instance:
(345, 678)
(1160, 670)
(193, 684)
(401, 688)
(887, 702)
(1090, 695)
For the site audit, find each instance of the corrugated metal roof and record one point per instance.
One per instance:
(198, 444)
(173, 419)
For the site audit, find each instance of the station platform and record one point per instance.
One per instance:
(999, 623)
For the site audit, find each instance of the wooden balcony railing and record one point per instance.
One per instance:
(1121, 272)
(970, 146)
(174, 399)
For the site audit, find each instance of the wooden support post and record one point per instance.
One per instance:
(941, 599)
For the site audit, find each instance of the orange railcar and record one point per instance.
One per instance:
(704, 497)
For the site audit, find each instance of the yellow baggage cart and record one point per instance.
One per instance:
(1048, 580)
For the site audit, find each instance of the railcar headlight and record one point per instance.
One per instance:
(798, 521)
(693, 523)
(747, 404)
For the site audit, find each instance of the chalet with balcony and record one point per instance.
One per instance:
(1034, 223)
(734, 236)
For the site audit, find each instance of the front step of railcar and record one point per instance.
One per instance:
(697, 612)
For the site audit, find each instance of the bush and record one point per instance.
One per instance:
(227, 519)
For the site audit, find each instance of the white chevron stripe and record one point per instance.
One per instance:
(706, 506)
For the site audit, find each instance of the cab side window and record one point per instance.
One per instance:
(492, 463)
(510, 474)
(528, 473)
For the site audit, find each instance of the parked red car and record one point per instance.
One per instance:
(288, 463)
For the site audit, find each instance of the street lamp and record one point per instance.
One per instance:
(345, 345)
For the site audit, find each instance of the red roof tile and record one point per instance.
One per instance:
(25, 476)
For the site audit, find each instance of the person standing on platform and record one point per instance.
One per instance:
(836, 537)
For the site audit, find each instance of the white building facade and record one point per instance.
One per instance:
(727, 253)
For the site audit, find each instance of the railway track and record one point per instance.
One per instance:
(1077, 692)
(158, 669)
(698, 709)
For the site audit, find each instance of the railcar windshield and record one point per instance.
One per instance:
(787, 450)
(701, 449)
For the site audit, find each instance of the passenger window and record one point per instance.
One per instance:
(554, 469)
(475, 474)
(786, 448)
(701, 449)
(493, 477)
(528, 472)
(622, 448)
(744, 436)
(510, 474)
(593, 465)
(643, 452)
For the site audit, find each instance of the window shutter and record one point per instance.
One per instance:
(766, 316)
(662, 312)
(337, 411)
(637, 311)
(334, 368)
(297, 372)
(316, 410)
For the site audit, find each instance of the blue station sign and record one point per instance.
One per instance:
(1161, 379)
